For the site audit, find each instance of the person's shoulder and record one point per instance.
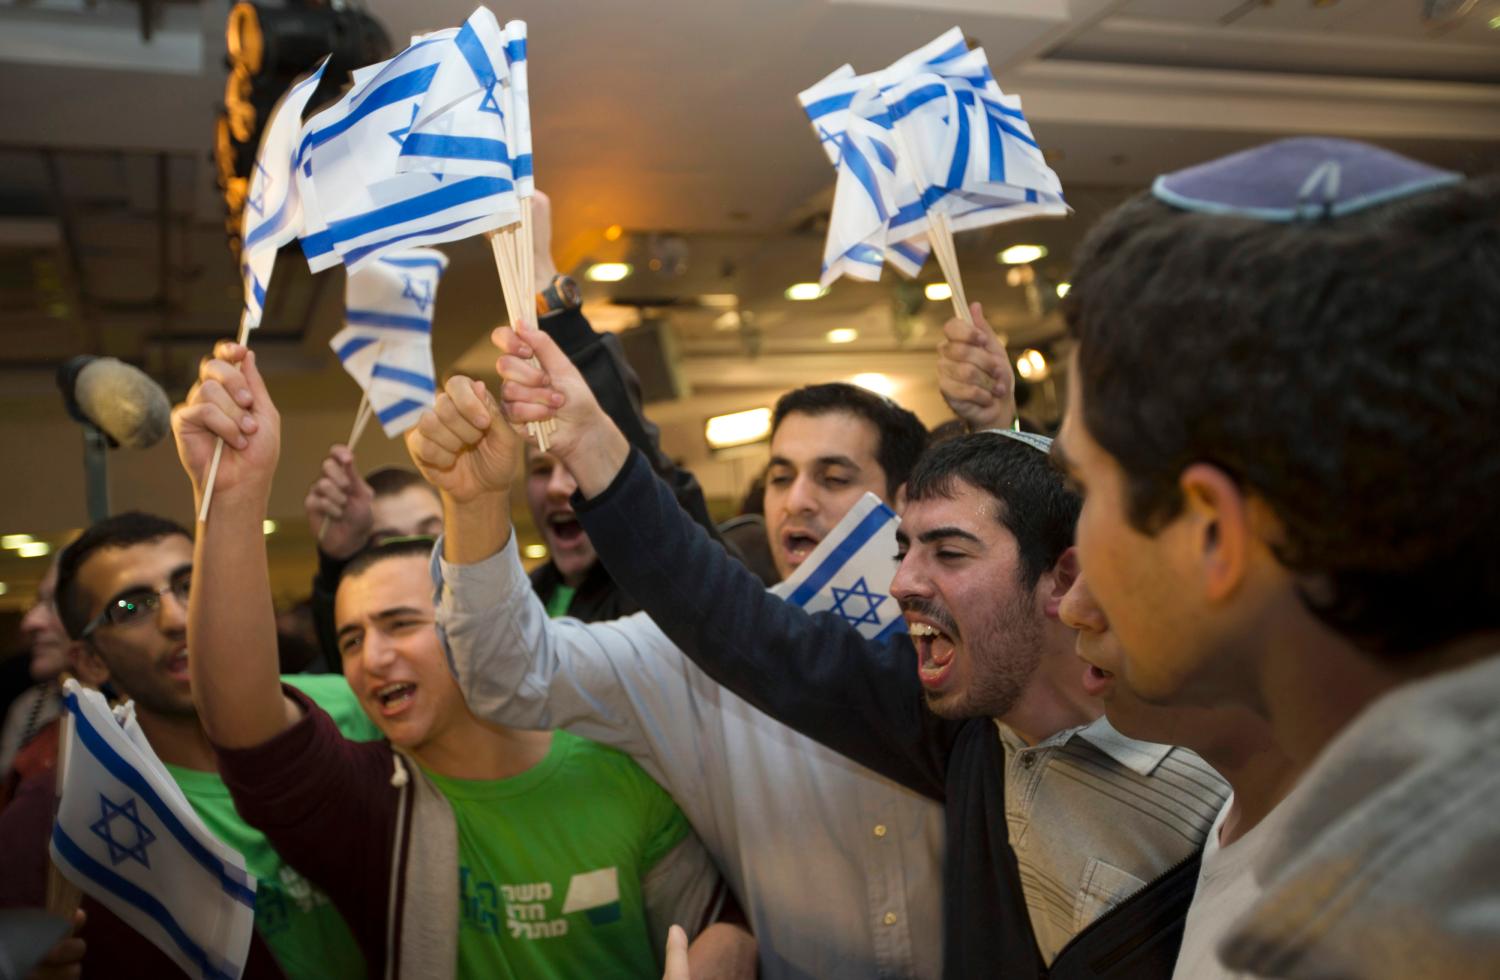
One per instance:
(597, 762)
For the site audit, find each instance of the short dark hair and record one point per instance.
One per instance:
(902, 435)
(1035, 504)
(388, 481)
(120, 531)
(1345, 371)
(363, 561)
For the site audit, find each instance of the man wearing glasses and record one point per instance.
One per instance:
(122, 592)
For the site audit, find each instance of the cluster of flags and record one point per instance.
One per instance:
(929, 143)
(430, 146)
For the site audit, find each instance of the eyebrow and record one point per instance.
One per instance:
(384, 614)
(138, 586)
(820, 461)
(939, 533)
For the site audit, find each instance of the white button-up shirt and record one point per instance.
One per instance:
(839, 869)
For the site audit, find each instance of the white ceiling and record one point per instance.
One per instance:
(676, 119)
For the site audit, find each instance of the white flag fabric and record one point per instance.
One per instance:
(386, 344)
(273, 206)
(476, 115)
(126, 835)
(849, 573)
(357, 205)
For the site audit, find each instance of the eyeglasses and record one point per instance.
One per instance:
(137, 604)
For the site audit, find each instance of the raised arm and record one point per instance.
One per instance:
(814, 673)
(231, 620)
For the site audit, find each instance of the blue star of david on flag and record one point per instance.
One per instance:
(105, 828)
(399, 135)
(488, 104)
(860, 592)
(257, 197)
(418, 291)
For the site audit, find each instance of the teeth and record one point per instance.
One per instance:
(923, 629)
(391, 689)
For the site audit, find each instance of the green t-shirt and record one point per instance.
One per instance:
(297, 921)
(559, 601)
(551, 864)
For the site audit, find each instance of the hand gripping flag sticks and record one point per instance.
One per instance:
(929, 144)
(386, 343)
(126, 836)
(272, 217)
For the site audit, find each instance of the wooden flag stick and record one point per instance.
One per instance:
(940, 232)
(213, 467)
(361, 419)
(512, 248)
(63, 897)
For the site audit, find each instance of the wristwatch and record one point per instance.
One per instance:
(562, 293)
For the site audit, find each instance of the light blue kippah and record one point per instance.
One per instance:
(1040, 443)
(1299, 179)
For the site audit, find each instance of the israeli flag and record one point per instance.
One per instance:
(358, 205)
(273, 206)
(968, 145)
(127, 836)
(461, 125)
(386, 344)
(849, 573)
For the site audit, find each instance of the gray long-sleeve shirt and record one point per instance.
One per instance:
(839, 869)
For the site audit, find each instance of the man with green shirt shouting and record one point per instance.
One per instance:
(453, 848)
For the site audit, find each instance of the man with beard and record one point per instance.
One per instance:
(1093, 816)
(122, 591)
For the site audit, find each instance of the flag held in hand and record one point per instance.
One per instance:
(386, 344)
(849, 573)
(127, 836)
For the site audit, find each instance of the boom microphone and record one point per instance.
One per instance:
(119, 400)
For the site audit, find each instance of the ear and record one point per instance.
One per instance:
(86, 665)
(1058, 580)
(1219, 521)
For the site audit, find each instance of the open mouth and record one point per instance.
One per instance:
(565, 529)
(935, 654)
(797, 545)
(1096, 680)
(177, 665)
(394, 698)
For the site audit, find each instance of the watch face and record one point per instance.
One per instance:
(568, 291)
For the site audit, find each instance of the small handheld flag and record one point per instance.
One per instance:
(849, 573)
(127, 836)
(273, 216)
(386, 344)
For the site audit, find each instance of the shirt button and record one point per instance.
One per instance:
(890, 918)
(1028, 760)
(880, 830)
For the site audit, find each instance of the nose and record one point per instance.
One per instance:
(802, 496)
(560, 484)
(910, 582)
(171, 613)
(34, 621)
(1078, 609)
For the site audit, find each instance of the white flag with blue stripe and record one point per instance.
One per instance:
(127, 836)
(849, 573)
(476, 116)
(273, 206)
(358, 206)
(386, 344)
(968, 145)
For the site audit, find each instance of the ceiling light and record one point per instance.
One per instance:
(35, 549)
(938, 291)
(842, 335)
(608, 271)
(1062, 289)
(719, 301)
(1031, 365)
(874, 381)
(1495, 23)
(738, 428)
(4, 588)
(268, 527)
(537, 550)
(1022, 254)
(12, 541)
(613, 233)
(803, 291)
(728, 320)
